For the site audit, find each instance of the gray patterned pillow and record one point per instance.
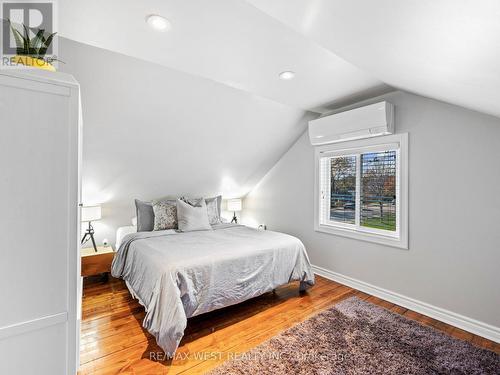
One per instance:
(165, 215)
(213, 209)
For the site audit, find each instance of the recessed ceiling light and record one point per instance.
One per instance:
(287, 75)
(158, 22)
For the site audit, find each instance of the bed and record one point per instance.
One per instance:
(180, 275)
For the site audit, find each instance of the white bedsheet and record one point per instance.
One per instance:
(121, 232)
(179, 275)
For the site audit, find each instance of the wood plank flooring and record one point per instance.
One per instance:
(114, 342)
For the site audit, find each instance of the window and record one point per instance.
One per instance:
(362, 189)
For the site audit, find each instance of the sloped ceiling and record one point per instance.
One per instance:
(443, 49)
(447, 49)
(228, 41)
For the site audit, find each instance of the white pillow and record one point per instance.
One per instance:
(191, 218)
(213, 207)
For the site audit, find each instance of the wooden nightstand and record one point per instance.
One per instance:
(94, 263)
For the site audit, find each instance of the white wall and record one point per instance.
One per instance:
(151, 131)
(454, 250)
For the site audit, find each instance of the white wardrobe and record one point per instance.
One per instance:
(39, 222)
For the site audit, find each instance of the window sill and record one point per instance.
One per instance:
(401, 242)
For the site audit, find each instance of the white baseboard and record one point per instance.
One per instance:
(467, 324)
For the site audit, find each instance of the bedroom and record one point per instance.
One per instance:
(356, 143)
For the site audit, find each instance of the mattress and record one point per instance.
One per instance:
(121, 232)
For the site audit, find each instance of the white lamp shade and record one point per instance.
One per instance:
(234, 204)
(91, 213)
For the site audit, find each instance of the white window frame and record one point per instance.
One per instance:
(399, 142)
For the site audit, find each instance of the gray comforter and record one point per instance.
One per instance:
(180, 275)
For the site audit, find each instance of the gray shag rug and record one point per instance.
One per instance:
(357, 337)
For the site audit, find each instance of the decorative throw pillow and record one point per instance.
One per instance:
(192, 217)
(145, 216)
(165, 215)
(213, 207)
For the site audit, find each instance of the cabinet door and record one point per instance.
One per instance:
(39, 227)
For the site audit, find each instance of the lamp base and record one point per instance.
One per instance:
(89, 235)
(235, 219)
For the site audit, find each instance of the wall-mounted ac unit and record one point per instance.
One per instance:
(364, 122)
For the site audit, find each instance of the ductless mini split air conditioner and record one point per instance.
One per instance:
(364, 122)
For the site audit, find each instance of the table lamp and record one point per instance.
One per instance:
(90, 214)
(235, 206)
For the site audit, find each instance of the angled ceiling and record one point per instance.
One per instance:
(228, 41)
(341, 50)
(447, 49)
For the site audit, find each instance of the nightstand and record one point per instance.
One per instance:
(94, 263)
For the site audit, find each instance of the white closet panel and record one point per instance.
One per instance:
(39, 195)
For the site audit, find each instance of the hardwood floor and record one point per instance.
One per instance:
(114, 342)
